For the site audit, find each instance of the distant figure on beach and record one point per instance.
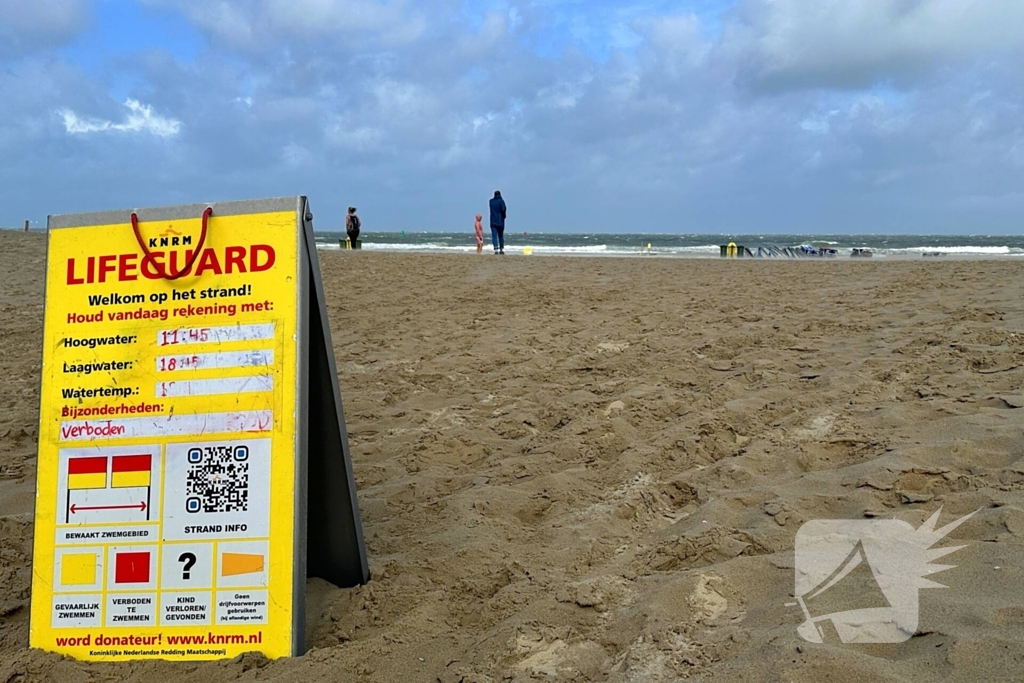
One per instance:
(498, 223)
(352, 225)
(479, 228)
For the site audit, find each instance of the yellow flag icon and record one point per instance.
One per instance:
(234, 564)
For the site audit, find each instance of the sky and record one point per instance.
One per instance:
(718, 116)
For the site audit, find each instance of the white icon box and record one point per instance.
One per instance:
(108, 485)
(77, 610)
(217, 490)
(242, 607)
(131, 610)
(186, 609)
(186, 566)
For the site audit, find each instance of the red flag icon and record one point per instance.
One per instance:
(131, 567)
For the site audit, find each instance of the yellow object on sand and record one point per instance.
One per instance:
(527, 251)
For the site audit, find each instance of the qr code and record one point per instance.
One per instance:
(217, 479)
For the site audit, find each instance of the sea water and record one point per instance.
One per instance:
(706, 245)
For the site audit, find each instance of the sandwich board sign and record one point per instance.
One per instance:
(193, 460)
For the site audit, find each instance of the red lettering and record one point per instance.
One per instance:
(126, 267)
(151, 267)
(254, 265)
(72, 431)
(234, 256)
(159, 264)
(208, 261)
(108, 264)
(174, 262)
(72, 280)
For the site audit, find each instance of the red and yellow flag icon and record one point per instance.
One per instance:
(131, 470)
(87, 473)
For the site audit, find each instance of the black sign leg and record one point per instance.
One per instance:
(335, 550)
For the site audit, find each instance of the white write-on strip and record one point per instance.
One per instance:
(257, 358)
(215, 335)
(215, 386)
(248, 421)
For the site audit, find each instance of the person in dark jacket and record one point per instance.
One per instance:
(498, 223)
(352, 225)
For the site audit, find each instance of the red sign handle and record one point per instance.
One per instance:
(192, 260)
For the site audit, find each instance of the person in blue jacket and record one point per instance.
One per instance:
(498, 223)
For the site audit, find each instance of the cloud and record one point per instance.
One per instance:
(39, 25)
(751, 121)
(781, 44)
(681, 41)
(257, 25)
(140, 119)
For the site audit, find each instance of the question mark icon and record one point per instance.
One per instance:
(189, 559)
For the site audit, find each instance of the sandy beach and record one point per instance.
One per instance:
(595, 469)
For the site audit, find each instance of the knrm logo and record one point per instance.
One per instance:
(857, 581)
